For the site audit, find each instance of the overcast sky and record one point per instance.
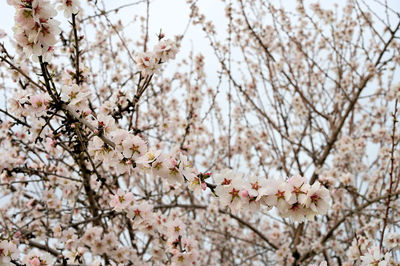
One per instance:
(172, 16)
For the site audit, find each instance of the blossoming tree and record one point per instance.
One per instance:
(288, 156)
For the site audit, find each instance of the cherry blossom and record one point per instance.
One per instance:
(268, 135)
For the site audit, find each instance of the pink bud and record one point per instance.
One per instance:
(30, 203)
(173, 161)
(34, 262)
(81, 250)
(245, 193)
(174, 251)
(17, 234)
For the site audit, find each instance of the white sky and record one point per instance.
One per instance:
(172, 16)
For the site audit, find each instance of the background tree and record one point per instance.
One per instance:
(112, 152)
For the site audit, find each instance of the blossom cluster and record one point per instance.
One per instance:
(69, 7)
(364, 250)
(150, 62)
(8, 252)
(293, 198)
(37, 258)
(374, 256)
(172, 229)
(76, 96)
(35, 28)
(103, 170)
(131, 154)
(392, 240)
(25, 104)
